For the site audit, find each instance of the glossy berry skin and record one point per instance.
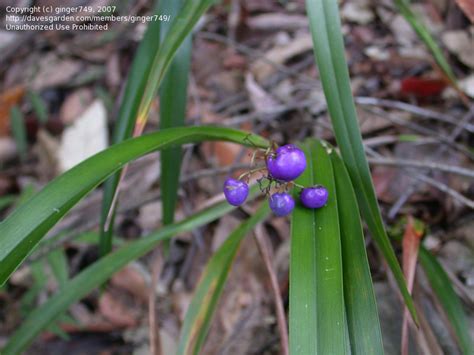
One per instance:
(314, 197)
(235, 191)
(287, 163)
(281, 203)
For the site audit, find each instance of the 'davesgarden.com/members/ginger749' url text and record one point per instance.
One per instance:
(75, 18)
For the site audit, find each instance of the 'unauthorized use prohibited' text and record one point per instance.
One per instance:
(69, 18)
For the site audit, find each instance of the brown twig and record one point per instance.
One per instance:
(410, 189)
(265, 251)
(423, 165)
(154, 330)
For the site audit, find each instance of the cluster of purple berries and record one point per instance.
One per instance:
(283, 165)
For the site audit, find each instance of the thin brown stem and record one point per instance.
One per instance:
(265, 251)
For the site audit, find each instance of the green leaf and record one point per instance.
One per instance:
(316, 318)
(146, 75)
(211, 284)
(173, 98)
(17, 124)
(361, 308)
(39, 107)
(329, 51)
(443, 289)
(39, 281)
(58, 262)
(97, 273)
(420, 28)
(25, 227)
(6, 201)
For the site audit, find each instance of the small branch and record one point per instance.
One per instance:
(264, 248)
(451, 138)
(154, 330)
(423, 165)
(403, 106)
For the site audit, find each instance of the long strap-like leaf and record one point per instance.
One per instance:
(146, 75)
(25, 227)
(329, 51)
(211, 284)
(173, 99)
(443, 289)
(361, 309)
(96, 274)
(317, 316)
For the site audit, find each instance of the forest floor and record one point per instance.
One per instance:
(252, 68)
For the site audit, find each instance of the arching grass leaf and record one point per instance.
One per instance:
(317, 316)
(25, 227)
(211, 284)
(330, 56)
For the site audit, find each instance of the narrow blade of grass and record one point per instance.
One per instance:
(317, 320)
(443, 289)
(6, 201)
(17, 125)
(361, 308)
(148, 70)
(329, 51)
(25, 227)
(173, 98)
(97, 273)
(420, 28)
(39, 107)
(58, 263)
(211, 284)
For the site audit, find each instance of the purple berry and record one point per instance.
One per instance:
(287, 163)
(281, 203)
(314, 197)
(235, 191)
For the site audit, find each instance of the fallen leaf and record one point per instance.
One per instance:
(460, 43)
(7, 38)
(410, 245)
(7, 149)
(115, 311)
(467, 85)
(75, 104)
(422, 87)
(53, 71)
(84, 138)
(277, 21)
(467, 6)
(261, 69)
(358, 12)
(9, 99)
(261, 100)
(133, 281)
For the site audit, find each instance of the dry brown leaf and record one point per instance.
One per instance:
(75, 104)
(461, 44)
(223, 152)
(261, 100)
(358, 12)
(277, 21)
(86, 137)
(7, 149)
(261, 69)
(53, 71)
(115, 311)
(8, 99)
(467, 6)
(131, 280)
(410, 245)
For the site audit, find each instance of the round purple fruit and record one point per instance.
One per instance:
(235, 191)
(287, 163)
(281, 203)
(314, 197)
